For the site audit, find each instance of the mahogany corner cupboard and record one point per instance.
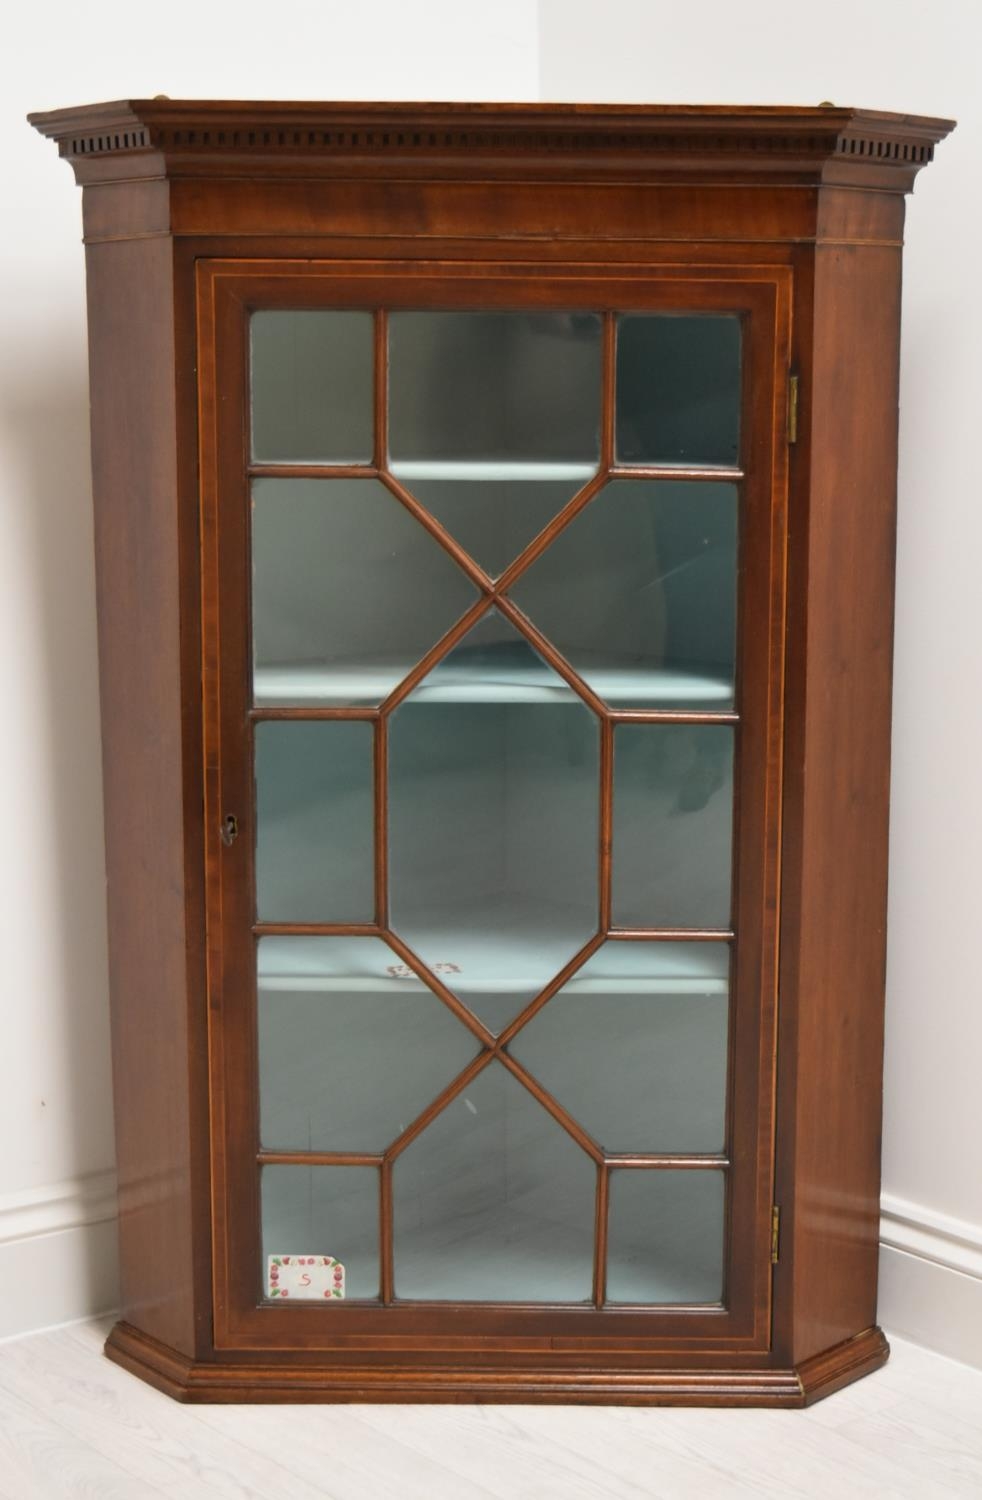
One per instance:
(495, 519)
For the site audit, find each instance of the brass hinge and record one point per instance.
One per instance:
(775, 1235)
(793, 383)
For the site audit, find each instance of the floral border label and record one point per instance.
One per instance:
(403, 971)
(295, 1277)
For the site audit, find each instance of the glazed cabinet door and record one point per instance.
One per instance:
(492, 575)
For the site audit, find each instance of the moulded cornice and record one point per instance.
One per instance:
(177, 137)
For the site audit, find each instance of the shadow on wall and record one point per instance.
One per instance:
(44, 432)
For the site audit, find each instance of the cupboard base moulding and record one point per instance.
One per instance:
(231, 1382)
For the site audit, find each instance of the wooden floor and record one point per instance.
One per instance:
(72, 1424)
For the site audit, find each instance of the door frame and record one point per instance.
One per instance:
(227, 292)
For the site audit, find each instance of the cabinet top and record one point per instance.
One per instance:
(208, 137)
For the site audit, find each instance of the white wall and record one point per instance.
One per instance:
(56, 1234)
(57, 1239)
(885, 54)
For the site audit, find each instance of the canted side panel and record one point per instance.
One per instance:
(842, 536)
(134, 457)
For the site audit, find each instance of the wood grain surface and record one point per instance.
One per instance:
(195, 214)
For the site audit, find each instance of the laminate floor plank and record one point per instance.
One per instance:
(334, 1447)
(939, 1448)
(73, 1426)
(617, 1451)
(353, 1457)
(702, 1460)
(911, 1378)
(150, 1437)
(517, 1459)
(39, 1460)
(780, 1459)
(941, 1384)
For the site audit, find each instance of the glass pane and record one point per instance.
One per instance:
(493, 663)
(678, 389)
(312, 383)
(672, 825)
(493, 821)
(493, 387)
(349, 591)
(665, 1236)
(496, 518)
(325, 1211)
(494, 420)
(351, 1047)
(639, 593)
(634, 1046)
(315, 855)
(494, 1202)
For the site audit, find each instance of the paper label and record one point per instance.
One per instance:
(403, 971)
(310, 1276)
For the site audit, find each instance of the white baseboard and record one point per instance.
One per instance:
(27, 1214)
(58, 1263)
(58, 1255)
(952, 1243)
(931, 1305)
(931, 1279)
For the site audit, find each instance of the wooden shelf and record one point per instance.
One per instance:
(507, 680)
(491, 470)
(514, 963)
